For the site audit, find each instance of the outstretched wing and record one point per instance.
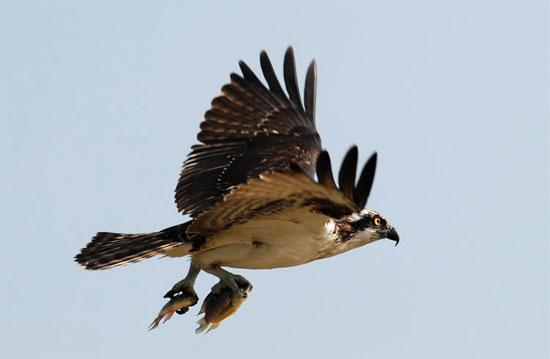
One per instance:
(292, 191)
(250, 129)
(271, 193)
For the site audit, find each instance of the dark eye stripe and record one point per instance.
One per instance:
(362, 223)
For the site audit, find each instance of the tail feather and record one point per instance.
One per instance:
(108, 250)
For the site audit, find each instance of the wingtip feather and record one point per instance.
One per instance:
(348, 171)
(366, 179)
(310, 89)
(324, 170)
(291, 82)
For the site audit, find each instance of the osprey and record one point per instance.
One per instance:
(259, 190)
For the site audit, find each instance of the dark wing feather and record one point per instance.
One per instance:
(271, 78)
(364, 185)
(324, 171)
(291, 82)
(249, 75)
(348, 169)
(249, 129)
(310, 90)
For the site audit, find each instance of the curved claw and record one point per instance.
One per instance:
(180, 290)
(182, 311)
(170, 294)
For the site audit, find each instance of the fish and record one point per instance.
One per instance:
(179, 303)
(220, 304)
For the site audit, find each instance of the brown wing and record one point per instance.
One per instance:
(270, 193)
(250, 129)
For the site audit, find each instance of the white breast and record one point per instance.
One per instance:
(292, 237)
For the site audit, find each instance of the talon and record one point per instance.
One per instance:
(170, 294)
(180, 288)
(182, 311)
(243, 284)
(235, 282)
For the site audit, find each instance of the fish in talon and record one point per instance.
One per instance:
(219, 306)
(178, 304)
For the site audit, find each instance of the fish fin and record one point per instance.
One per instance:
(155, 323)
(167, 317)
(203, 325)
(212, 327)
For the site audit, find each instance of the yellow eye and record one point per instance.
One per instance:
(377, 221)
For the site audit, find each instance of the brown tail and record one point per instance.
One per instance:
(108, 250)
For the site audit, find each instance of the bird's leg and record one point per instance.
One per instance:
(186, 285)
(229, 280)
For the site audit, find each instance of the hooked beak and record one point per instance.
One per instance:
(392, 234)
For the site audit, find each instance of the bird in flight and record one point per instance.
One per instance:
(259, 191)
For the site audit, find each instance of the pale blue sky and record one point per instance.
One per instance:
(101, 102)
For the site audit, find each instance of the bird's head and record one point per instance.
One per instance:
(365, 227)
